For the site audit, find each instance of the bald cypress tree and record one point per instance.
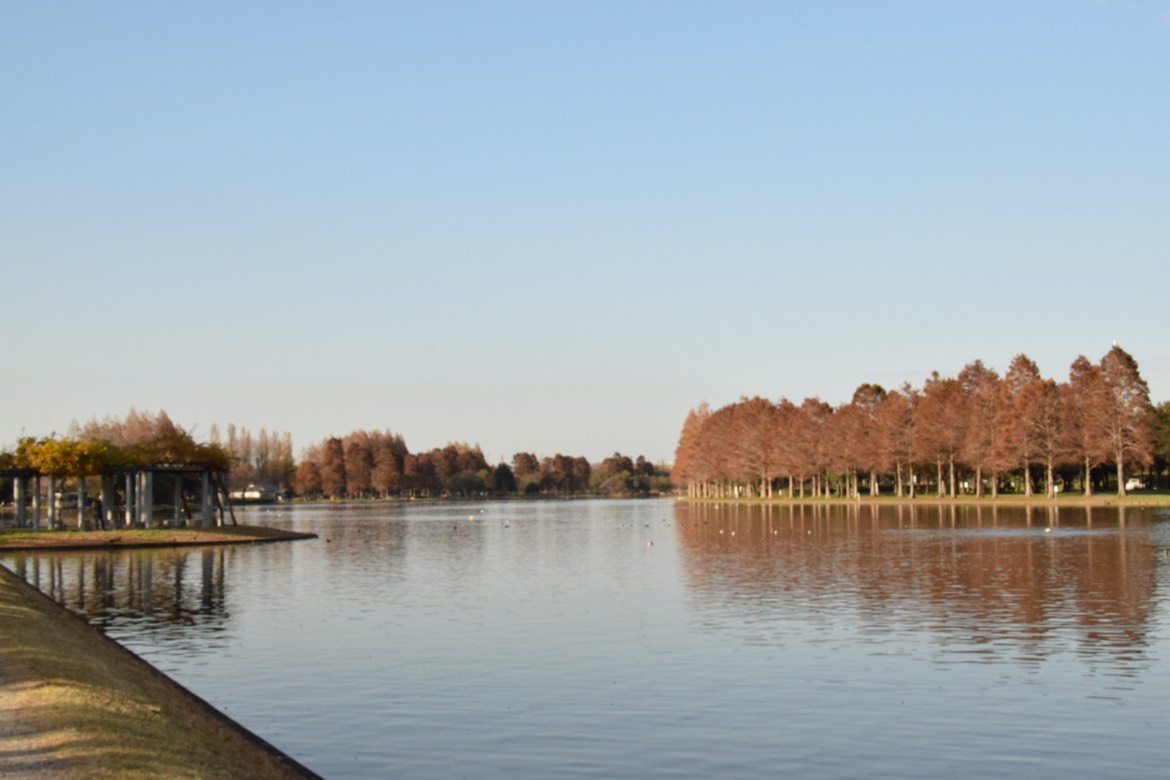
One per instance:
(1128, 416)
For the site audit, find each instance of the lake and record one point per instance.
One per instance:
(654, 639)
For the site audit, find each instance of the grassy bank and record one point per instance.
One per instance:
(22, 540)
(74, 704)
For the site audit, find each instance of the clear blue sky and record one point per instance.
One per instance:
(557, 226)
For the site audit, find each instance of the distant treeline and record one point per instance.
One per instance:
(967, 434)
(368, 464)
(363, 464)
(263, 458)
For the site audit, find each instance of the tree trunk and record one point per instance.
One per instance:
(1027, 479)
(1051, 482)
(1120, 475)
(978, 482)
(951, 461)
(1088, 477)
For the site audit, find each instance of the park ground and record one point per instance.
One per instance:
(75, 704)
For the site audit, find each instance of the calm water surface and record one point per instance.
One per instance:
(637, 639)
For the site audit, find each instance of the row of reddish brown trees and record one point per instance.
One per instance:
(956, 434)
(364, 463)
(367, 464)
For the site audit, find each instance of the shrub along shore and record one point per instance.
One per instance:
(75, 704)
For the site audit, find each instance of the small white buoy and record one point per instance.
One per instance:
(1047, 530)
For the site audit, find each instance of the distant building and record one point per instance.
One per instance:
(257, 494)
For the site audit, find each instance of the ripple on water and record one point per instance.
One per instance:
(552, 641)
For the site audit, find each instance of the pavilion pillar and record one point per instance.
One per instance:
(36, 503)
(19, 488)
(140, 517)
(146, 499)
(178, 497)
(108, 500)
(52, 499)
(80, 503)
(131, 498)
(205, 508)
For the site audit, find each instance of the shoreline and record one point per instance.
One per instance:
(76, 704)
(24, 540)
(1096, 501)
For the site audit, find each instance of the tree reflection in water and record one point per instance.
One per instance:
(174, 598)
(978, 584)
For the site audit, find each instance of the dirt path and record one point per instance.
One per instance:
(74, 704)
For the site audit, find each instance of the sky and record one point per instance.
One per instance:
(556, 227)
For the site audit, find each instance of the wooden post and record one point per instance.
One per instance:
(227, 502)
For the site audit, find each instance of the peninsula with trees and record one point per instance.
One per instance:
(976, 434)
(101, 461)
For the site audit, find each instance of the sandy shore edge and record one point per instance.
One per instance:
(74, 704)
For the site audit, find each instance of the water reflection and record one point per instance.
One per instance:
(980, 584)
(644, 638)
(172, 598)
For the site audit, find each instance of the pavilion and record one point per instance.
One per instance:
(126, 498)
